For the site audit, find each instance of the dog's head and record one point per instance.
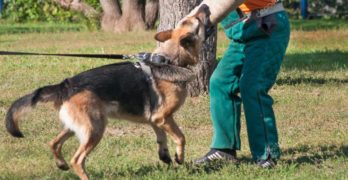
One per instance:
(182, 44)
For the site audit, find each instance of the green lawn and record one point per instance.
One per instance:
(19, 28)
(311, 103)
(318, 24)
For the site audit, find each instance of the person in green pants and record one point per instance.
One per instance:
(244, 76)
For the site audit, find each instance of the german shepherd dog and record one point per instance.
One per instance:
(122, 91)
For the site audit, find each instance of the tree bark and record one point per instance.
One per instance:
(151, 13)
(133, 16)
(111, 13)
(171, 12)
(204, 69)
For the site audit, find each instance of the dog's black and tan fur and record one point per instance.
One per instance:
(122, 91)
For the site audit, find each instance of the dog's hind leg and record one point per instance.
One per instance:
(90, 140)
(163, 152)
(168, 124)
(84, 115)
(78, 161)
(56, 146)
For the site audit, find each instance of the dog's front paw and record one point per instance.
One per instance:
(164, 156)
(179, 159)
(62, 166)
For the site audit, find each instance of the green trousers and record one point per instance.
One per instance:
(249, 66)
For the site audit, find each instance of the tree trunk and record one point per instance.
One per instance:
(111, 13)
(171, 12)
(151, 13)
(133, 16)
(205, 67)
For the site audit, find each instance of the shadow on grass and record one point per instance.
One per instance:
(305, 154)
(309, 80)
(131, 171)
(316, 62)
(151, 169)
(302, 154)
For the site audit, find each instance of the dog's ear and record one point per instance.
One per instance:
(203, 14)
(187, 40)
(164, 35)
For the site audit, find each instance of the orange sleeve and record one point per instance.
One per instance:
(250, 5)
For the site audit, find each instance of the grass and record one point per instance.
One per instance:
(318, 24)
(19, 28)
(311, 103)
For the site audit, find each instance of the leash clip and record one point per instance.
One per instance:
(143, 56)
(154, 58)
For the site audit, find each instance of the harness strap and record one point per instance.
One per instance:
(146, 69)
(149, 78)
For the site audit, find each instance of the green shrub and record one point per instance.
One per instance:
(319, 9)
(41, 11)
(94, 3)
(330, 8)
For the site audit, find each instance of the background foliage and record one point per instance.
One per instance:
(35, 10)
(41, 11)
(48, 11)
(327, 9)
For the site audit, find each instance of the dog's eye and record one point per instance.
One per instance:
(187, 40)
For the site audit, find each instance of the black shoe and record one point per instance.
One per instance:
(215, 155)
(266, 164)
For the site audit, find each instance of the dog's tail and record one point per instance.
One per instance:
(23, 105)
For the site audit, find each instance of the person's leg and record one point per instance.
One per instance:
(225, 104)
(263, 57)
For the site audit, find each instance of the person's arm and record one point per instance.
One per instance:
(219, 8)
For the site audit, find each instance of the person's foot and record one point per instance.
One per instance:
(216, 155)
(266, 164)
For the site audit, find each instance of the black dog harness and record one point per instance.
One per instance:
(141, 64)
